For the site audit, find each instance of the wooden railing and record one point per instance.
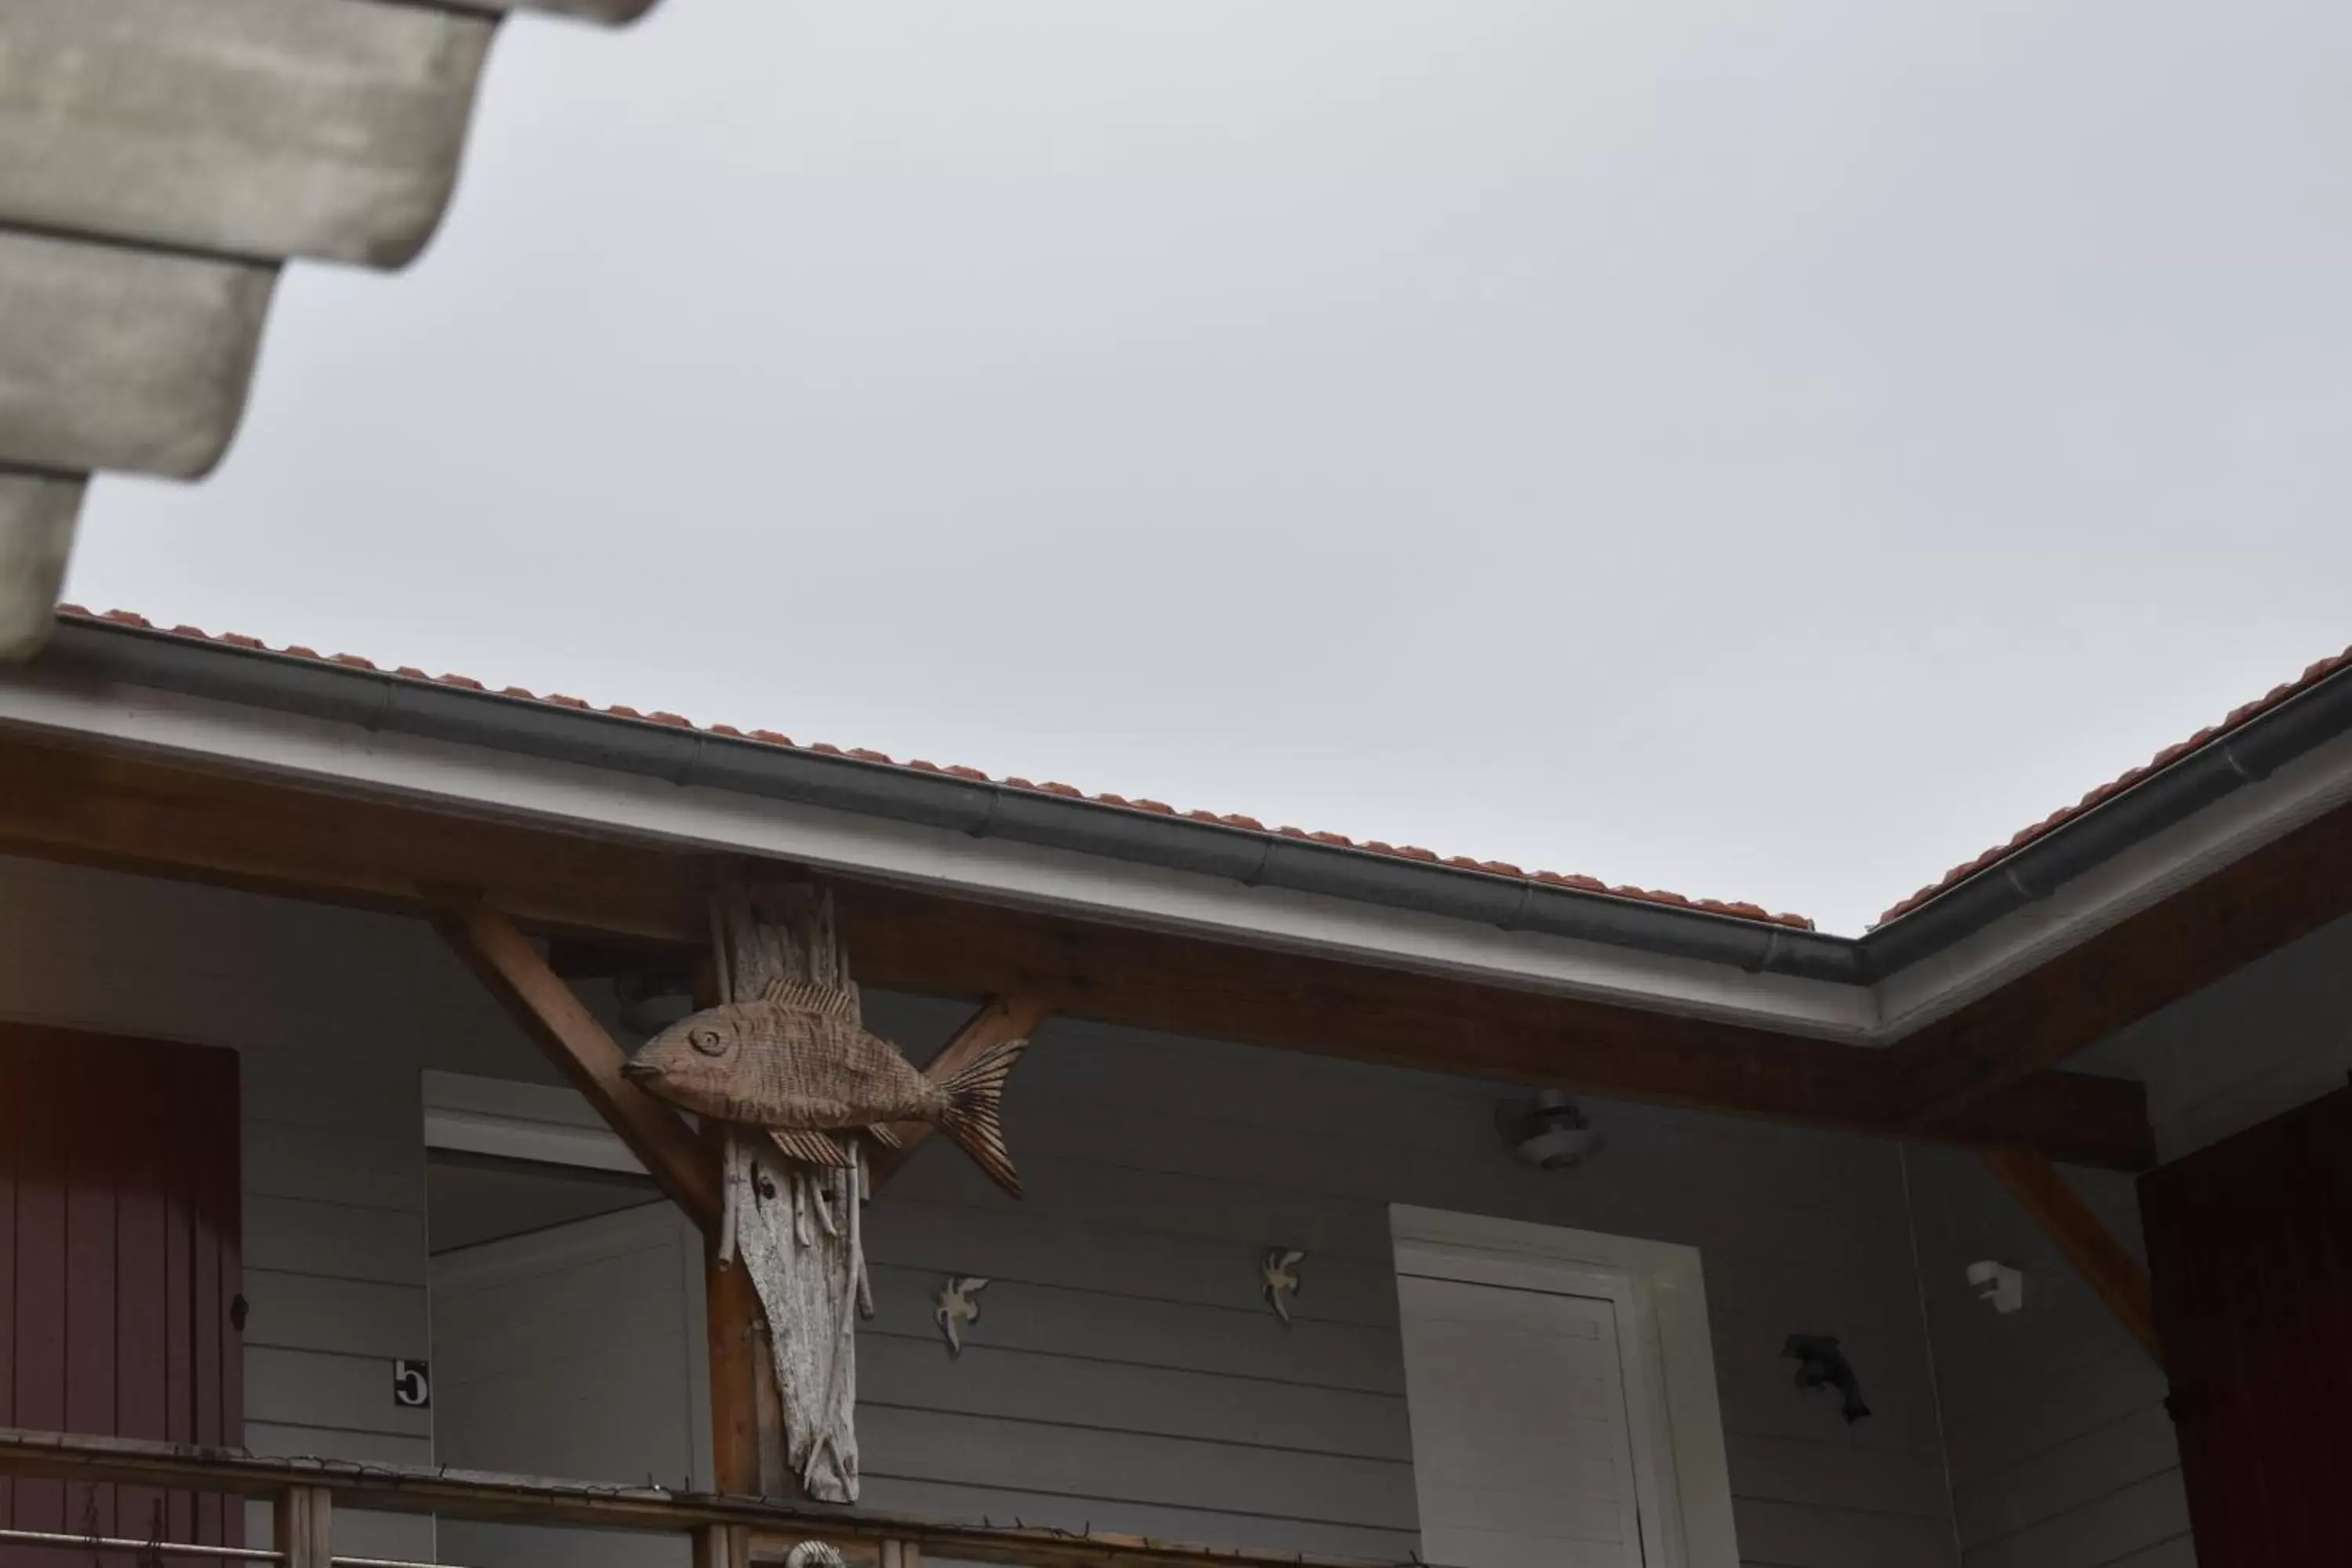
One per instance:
(727, 1531)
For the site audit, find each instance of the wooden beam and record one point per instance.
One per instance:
(552, 1015)
(2110, 1271)
(1264, 996)
(2255, 905)
(732, 1309)
(101, 809)
(1000, 1018)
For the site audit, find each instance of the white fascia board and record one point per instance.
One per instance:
(481, 780)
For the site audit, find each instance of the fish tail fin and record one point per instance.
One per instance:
(973, 1117)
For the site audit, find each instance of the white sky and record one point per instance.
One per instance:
(1764, 451)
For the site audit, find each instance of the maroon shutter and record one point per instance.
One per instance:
(2250, 1245)
(119, 1263)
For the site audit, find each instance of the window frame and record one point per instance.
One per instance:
(1682, 1473)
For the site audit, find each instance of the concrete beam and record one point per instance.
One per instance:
(258, 128)
(135, 360)
(37, 528)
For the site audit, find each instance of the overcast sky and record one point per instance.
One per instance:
(1767, 451)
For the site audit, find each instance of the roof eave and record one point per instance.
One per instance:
(2238, 755)
(378, 700)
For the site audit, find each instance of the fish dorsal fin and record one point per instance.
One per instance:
(815, 1148)
(810, 997)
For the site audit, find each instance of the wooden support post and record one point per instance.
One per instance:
(305, 1527)
(732, 1312)
(553, 1016)
(722, 1546)
(2084, 1239)
(1000, 1020)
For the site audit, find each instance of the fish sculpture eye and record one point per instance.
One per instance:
(708, 1042)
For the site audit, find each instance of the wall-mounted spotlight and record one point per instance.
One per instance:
(1547, 1131)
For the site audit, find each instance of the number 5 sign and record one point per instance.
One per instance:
(412, 1384)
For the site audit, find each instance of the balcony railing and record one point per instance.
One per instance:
(727, 1531)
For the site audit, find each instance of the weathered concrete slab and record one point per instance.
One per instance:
(123, 359)
(37, 528)
(264, 128)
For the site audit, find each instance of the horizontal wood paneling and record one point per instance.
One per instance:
(1043, 1386)
(2062, 1455)
(1132, 1467)
(334, 1013)
(1125, 1373)
(340, 1240)
(2274, 1035)
(1125, 1296)
(322, 1389)
(1093, 1326)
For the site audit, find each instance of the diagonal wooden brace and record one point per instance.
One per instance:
(538, 998)
(2111, 1271)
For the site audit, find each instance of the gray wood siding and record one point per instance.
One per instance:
(570, 1351)
(2275, 1035)
(1126, 1375)
(2061, 1454)
(334, 1013)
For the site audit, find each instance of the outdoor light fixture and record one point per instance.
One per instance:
(1998, 1283)
(1547, 1131)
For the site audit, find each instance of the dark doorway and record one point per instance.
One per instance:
(2249, 1244)
(119, 1270)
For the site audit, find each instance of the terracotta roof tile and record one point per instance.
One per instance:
(2238, 716)
(1110, 802)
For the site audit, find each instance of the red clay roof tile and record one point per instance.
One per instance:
(773, 738)
(2311, 676)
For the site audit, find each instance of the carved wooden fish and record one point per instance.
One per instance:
(796, 1061)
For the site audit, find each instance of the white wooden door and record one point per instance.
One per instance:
(1521, 1453)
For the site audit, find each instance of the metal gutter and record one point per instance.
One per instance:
(378, 700)
(2245, 754)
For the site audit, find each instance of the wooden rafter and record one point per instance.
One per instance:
(97, 808)
(2252, 906)
(1000, 1018)
(497, 951)
(2084, 1239)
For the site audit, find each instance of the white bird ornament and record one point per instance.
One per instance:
(958, 1307)
(1279, 1274)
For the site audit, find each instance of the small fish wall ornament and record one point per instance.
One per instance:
(1821, 1364)
(1278, 1279)
(957, 1304)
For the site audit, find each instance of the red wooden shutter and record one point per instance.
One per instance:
(118, 1270)
(2250, 1245)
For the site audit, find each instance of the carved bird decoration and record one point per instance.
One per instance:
(1278, 1279)
(958, 1306)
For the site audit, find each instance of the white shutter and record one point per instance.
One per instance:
(1522, 1456)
